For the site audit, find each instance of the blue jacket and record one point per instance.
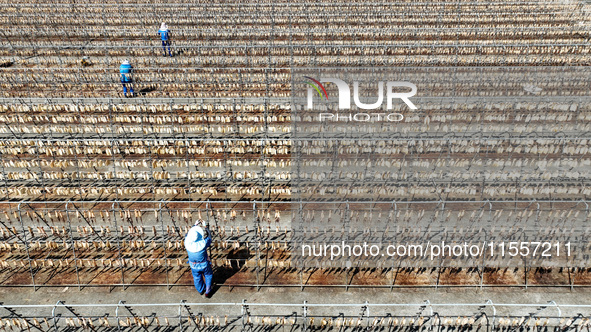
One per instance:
(164, 34)
(200, 256)
(125, 68)
(125, 71)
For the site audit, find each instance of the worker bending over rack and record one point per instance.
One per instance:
(126, 77)
(165, 36)
(197, 241)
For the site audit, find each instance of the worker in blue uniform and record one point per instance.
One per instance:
(165, 37)
(126, 77)
(197, 241)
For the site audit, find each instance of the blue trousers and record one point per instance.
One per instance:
(125, 81)
(164, 44)
(125, 88)
(202, 276)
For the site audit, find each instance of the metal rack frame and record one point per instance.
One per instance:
(253, 238)
(304, 316)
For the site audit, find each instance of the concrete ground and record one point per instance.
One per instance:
(337, 298)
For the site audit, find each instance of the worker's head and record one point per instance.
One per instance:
(125, 62)
(195, 239)
(163, 26)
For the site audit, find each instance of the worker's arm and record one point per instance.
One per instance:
(206, 229)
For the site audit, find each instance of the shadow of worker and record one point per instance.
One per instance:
(237, 259)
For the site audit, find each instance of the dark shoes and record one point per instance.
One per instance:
(207, 295)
